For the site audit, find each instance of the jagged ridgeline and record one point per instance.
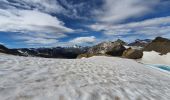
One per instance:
(118, 48)
(58, 52)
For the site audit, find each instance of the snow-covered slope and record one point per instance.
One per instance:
(96, 78)
(153, 57)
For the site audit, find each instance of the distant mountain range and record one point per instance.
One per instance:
(140, 43)
(56, 52)
(116, 48)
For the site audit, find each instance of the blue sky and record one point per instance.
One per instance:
(50, 23)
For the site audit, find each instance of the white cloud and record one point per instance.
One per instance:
(148, 23)
(73, 10)
(82, 40)
(32, 40)
(34, 18)
(67, 8)
(31, 21)
(155, 27)
(39, 28)
(41, 41)
(39, 38)
(114, 11)
(49, 6)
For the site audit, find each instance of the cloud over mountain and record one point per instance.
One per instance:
(81, 40)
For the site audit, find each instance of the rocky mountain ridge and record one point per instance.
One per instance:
(159, 44)
(56, 52)
(116, 48)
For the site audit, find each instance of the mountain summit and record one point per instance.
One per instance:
(159, 44)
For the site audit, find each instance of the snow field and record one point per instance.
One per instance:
(95, 78)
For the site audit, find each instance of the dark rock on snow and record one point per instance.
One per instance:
(132, 53)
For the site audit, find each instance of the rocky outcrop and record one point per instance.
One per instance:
(159, 44)
(107, 48)
(4, 49)
(132, 53)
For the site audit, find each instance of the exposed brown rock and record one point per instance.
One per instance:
(108, 48)
(132, 53)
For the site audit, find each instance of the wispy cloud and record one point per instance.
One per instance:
(38, 41)
(151, 27)
(114, 11)
(49, 6)
(121, 18)
(30, 21)
(39, 38)
(32, 17)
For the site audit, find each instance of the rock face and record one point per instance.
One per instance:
(132, 53)
(107, 48)
(159, 44)
(3, 49)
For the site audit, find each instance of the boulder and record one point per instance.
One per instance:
(159, 44)
(132, 53)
